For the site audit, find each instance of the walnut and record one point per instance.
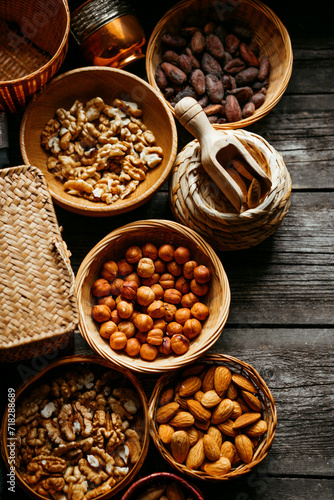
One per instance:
(101, 490)
(87, 419)
(94, 476)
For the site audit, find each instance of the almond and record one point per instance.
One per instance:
(222, 412)
(257, 429)
(211, 448)
(207, 384)
(167, 396)
(244, 383)
(215, 434)
(180, 446)
(166, 432)
(203, 426)
(222, 379)
(192, 434)
(237, 411)
(227, 428)
(198, 396)
(210, 399)
(196, 455)
(166, 412)
(228, 450)
(182, 419)
(246, 419)
(181, 401)
(252, 401)
(218, 468)
(189, 386)
(232, 391)
(199, 412)
(244, 407)
(244, 447)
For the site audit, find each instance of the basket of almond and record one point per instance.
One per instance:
(214, 420)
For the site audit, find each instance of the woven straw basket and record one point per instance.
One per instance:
(38, 306)
(196, 201)
(267, 29)
(33, 45)
(269, 414)
(113, 247)
(122, 377)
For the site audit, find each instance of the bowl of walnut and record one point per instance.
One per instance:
(104, 139)
(81, 430)
(152, 296)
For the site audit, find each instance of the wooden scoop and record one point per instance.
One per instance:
(217, 150)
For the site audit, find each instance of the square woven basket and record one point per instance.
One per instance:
(37, 298)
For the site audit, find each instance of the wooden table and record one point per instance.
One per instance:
(281, 316)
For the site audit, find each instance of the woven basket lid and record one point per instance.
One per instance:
(37, 298)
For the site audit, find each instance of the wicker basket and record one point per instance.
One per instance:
(264, 395)
(33, 45)
(113, 247)
(38, 306)
(196, 201)
(269, 32)
(125, 379)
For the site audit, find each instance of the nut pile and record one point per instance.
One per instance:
(211, 420)
(77, 435)
(150, 301)
(100, 152)
(220, 68)
(170, 491)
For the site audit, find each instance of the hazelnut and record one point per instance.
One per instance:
(167, 280)
(143, 322)
(109, 270)
(182, 255)
(155, 336)
(188, 300)
(118, 341)
(124, 309)
(165, 347)
(172, 296)
(188, 269)
(118, 299)
(174, 268)
(145, 267)
(174, 328)
(166, 252)
(133, 277)
(101, 313)
(133, 315)
(160, 266)
(107, 301)
(158, 291)
(124, 267)
(179, 344)
(152, 280)
(128, 328)
(141, 337)
(170, 310)
(148, 352)
(100, 288)
(156, 309)
(133, 254)
(202, 274)
(129, 290)
(161, 324)
(199, 311)
(182, 285)
(182, 315)
(199, 289)
(115, 286)
(192, 328)
(115, 317)
(132, 347)
(145, 296)
(107, 329)
(150, 250)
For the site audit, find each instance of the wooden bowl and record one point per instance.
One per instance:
(122, 376)
(107, 83)
(267, 29)
(33, 53)
(113, 247)
(236, 366)
(160, 478)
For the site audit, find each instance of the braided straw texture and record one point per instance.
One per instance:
(197, 202)
(37, 300)
(264, 394)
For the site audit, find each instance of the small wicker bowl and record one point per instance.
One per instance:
(107, 83)
(113, 247)
(197, 202)
(269, 32)
(122, 376)
(160, 478)
(34, 41)
(264, 394)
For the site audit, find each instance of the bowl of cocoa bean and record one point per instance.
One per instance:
(236, 60)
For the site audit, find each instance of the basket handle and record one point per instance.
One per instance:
(64, 254)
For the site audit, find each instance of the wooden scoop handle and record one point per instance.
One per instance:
(191, 115)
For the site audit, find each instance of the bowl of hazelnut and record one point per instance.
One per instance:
(162, 486)
(152, 296)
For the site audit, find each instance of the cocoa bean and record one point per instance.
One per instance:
(160, 78)
(254, 46)
(197, 42)
(232, 109)
(213, 118)
(263, 68)
(258, 99)
(210, 65)
(231, 43)
(259, 85)
(248, 109)
(227, 58)
(185, 63)
(173, 41)
(171, 57)
(195, 62)
(197, 80)
(247, 55)
(233, 83)
(209, 28)
(223, 105)
(214, 88)
(246, 76)
(221, 120)
(212, 109)
(243, 94)
(235, 66)
(174, 74)
(214, 46)
(168, 92)
(203, 101)
(186, 92)
(226, 81)
(188, 31)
